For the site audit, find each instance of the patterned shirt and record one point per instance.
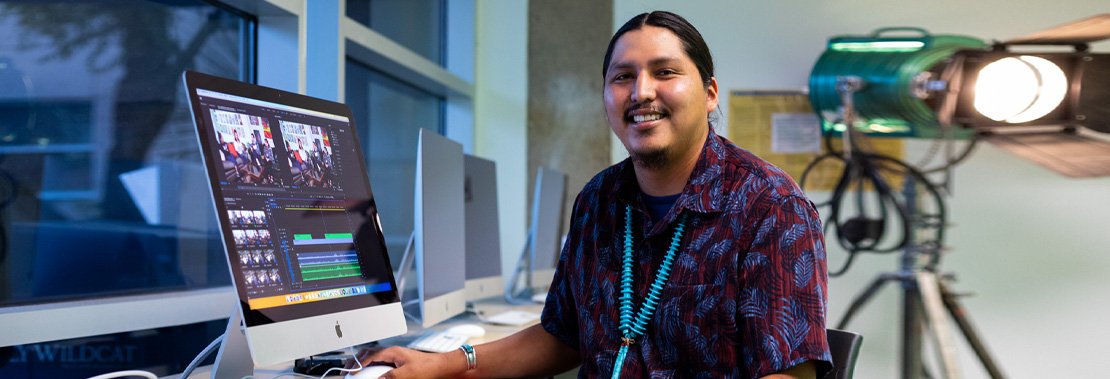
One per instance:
(746, 296)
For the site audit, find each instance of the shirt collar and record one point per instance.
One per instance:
(702, 192)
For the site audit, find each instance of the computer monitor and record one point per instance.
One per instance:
(536, 268)
(483, 238)
(298, 220)
(547, 221)
(439, 228)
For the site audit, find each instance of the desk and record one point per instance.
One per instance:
(489, 307)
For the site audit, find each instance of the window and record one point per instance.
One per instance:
(102, 191)
(415, 24)
(389, 114)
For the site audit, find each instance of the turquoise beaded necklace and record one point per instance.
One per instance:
(633, 326)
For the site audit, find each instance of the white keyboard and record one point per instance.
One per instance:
(438, 342)
(514, 318)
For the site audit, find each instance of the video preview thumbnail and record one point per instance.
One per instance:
(246, 147)
(309, 155)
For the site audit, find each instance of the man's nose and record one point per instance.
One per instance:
(644, 90)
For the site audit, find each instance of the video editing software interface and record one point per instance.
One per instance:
(296, 200)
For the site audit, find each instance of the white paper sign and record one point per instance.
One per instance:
(794, 133)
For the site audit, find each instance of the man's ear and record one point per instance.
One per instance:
(711, 100)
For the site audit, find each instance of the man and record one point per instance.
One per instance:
(719, 253)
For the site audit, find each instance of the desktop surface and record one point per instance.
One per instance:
(489, 306)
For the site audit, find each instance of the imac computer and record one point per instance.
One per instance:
(483, 244)
(536, 267)
(439, 228)
(299, 223)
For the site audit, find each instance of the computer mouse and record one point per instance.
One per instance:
(369, 372)
(469, 330)
(540, 297)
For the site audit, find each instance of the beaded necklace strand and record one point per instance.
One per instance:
(633, 326)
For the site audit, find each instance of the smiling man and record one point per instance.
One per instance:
(692, 258)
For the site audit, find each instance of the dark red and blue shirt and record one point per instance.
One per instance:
(747, 292)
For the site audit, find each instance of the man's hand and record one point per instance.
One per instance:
(411, 363)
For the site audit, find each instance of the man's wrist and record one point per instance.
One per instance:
(454, 364)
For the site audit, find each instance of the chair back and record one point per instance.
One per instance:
(844, 347)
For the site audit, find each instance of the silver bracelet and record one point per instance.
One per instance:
(471, 358)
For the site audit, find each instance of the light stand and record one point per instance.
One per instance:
(926, 297)
(925, 294)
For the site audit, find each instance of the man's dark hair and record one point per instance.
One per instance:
(692, 42)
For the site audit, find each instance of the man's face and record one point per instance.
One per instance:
(655, 100)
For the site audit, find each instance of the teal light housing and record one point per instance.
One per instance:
(896, 66)
(1033, 95)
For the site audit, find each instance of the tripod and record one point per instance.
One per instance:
(925, 299)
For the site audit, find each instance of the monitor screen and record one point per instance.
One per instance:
(483, 244)
(440, 229)
(297, 215)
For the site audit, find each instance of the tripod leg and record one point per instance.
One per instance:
(862, 299)
(938, 322)
(960, 315)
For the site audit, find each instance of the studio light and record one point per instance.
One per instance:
(916, 84)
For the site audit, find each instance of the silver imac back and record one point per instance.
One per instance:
(547, 220)
(440, 228)
(483, 244)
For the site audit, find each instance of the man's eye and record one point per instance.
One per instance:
(621, 77)
(667, 72)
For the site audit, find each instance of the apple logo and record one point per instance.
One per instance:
(338, 332)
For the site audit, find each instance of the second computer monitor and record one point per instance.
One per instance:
(483, 245)
(440, 228)
(547, 219)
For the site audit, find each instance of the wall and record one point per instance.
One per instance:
(1031, 245)
(501, 113)
(566, 118)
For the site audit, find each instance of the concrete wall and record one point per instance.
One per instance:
(1031, 245)
(566, 117)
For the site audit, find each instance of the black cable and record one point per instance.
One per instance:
(862, 234)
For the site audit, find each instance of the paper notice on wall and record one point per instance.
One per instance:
(795, 133)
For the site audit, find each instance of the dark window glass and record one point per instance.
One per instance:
(389, 114)
(416, 24)
(102, 190)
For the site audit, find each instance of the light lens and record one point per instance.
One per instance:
(1017, 90)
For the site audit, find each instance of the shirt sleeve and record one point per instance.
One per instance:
(782, 307)
(560, 311)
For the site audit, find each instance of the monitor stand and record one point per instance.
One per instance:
(234, 359)
(516, 292)
(411, 307)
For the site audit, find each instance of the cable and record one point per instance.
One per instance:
(126, 373)
(862, 233)
(203, 354)
(353, 356)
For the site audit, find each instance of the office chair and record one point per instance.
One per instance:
(844, 347)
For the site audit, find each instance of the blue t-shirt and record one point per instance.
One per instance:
(658, 206)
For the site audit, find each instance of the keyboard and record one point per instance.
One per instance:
(514, 318)
(438, 342)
